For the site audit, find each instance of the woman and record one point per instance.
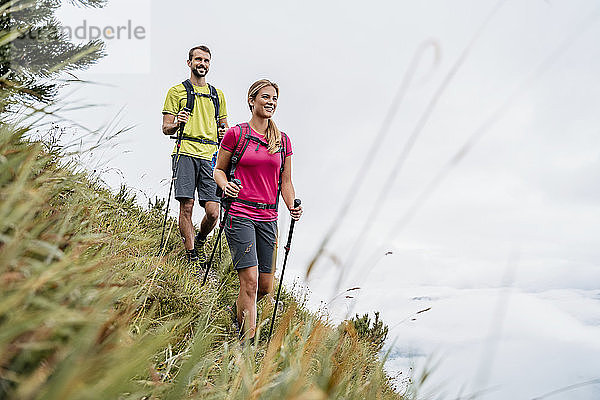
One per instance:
(259, 155)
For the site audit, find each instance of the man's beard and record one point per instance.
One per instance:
(198, 74)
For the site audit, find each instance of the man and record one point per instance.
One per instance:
(199, 144)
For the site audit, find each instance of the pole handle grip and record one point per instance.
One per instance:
(297, 202)
(187, 110)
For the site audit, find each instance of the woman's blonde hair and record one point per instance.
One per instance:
(272, 135)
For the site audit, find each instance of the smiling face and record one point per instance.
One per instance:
(265, 102)
(199, 63)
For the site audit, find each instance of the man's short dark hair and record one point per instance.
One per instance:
(203, 48)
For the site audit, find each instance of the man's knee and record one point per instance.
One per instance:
(212, 214)
(212, 211)
(186, 206)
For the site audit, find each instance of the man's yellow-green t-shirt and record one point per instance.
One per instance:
(201, 124)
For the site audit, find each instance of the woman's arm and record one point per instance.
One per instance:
(287, 189)
(223, 159)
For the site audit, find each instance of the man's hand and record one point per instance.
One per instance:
(221, 131)
(183, 117)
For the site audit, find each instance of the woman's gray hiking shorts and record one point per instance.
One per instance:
(252, 243)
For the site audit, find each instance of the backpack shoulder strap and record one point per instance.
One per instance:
(283, 150)
(214, 97)
(284, 139)
(240, 147)
(191, 97)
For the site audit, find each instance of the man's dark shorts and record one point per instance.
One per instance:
(194, 174)
(252, 243)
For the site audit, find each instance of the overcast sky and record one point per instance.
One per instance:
(504, 248)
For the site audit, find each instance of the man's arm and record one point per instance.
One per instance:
(222, 115)
(223, 126)
(173, 113)
(171, 122)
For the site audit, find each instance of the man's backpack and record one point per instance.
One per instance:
(189, 106)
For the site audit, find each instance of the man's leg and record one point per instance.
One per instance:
(185, 185)
(211, 216)
(186, 228)
(207, 197)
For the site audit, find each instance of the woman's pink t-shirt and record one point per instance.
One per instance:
(259, 173)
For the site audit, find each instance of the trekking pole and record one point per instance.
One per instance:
(297, 203)
(221, 125)
(220, 255)
(218, 239)
(179, 138)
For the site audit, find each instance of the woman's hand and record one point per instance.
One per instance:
(296, 213)
(231, 189)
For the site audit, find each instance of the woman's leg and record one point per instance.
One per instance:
(266, 252)
(241, 240)
(265, 284)
(246, 301)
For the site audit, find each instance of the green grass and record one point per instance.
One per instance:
(88, 310)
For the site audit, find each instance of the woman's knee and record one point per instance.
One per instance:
(265, 285)
(264, 290)
(249, 287)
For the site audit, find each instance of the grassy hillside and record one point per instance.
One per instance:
(88, 310)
